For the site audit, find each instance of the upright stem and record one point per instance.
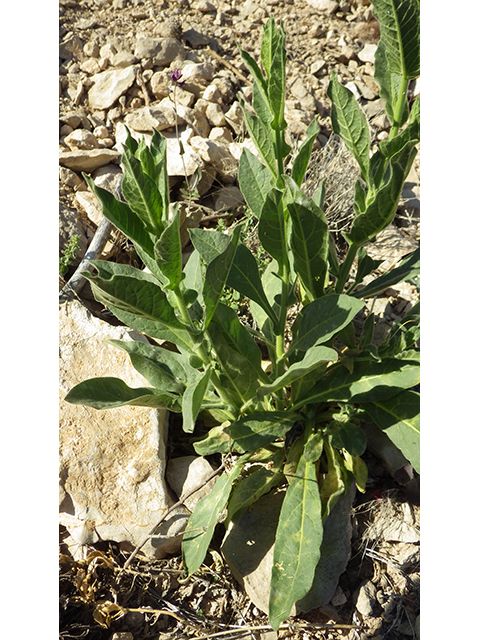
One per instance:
(399, 106)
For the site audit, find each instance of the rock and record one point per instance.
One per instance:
(228, 198)
(197, 73)
(161, 51)
(112, 462)
(87, 161)
(110, 85)
(71, 47)
(317, 66)
(123, 59)
(159, 83)
(221, 135)
(186, 473)
(69, 178)
(92, 207)
(329, 6)
(214, 114)
(159, 116)
(169, 28)
(234, 117)
(248, 549)
(195, 39)
(212, 93)
(178, 165)
(75, 118)
(390, 246)
(367, 54)
(81, 139)
(366, 599)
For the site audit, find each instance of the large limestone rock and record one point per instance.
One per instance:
(87, 160)
(108, 86)
(112, 462)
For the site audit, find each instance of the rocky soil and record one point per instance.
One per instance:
(116, 57)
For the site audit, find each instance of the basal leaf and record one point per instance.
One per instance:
(201, 524)
(108, 393)
(399, 417)
(297, 544)
(322, 318)
(258, 430)
(120, 214)
(349, 122)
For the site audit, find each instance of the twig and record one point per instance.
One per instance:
(266, 627)
(229, 66)
(168, 512)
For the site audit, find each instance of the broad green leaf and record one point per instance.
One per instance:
(399, 417)
(391, 87)
(254, 179)
(208, 243)
(309, 240)
(261, 134)
(255, 71)
(193, 398)
(276, 83)
(271, 227)
(120, 214)
(259, 481)
(217, 440)
(272, 285)
(201, 525)
(322, 319)
(332, 484)
(194, 275)
(351, 437)
(216, 276)
(141, 193)
(381, 210)
(314, 358)
(297, 544)
(237, 354)
(130, 143)
(108, 393)
(245, 278)
(370, 381)
(260, 429)
(302, 158)
(366, 265)
(358, 468)
(164, 369)
(349, 122)
(400, 33)
(168, 252)
(409, 267)
(314, 447)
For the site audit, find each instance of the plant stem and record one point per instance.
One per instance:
(399, 106)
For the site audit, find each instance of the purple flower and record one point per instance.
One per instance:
(175, 76)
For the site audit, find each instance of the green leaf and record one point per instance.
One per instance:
(108, 393)
(391, 86)
(301, 160)
(309, 240)
(245, 278)
(370, 381)
(261, 134)
(120, 214)
(201, 524)
(276, 83)
(216, 276)
(208, 243)
(297, 544)
(411, 133)
(168, 252)
(322, 319)
(400, 33)
(158, 150)
(270, 40)
(193, 398)
(237, 353)
(351, 437)
(271, 227)
(260, 429)
(408, 268)
(254, 179)
(399, 417)
(141, 193)
(332, 485)
(261, 480)
(217, 440)
(164, 369)
(314, 447)
(381, 210)
(314, 358)
(349, 122)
